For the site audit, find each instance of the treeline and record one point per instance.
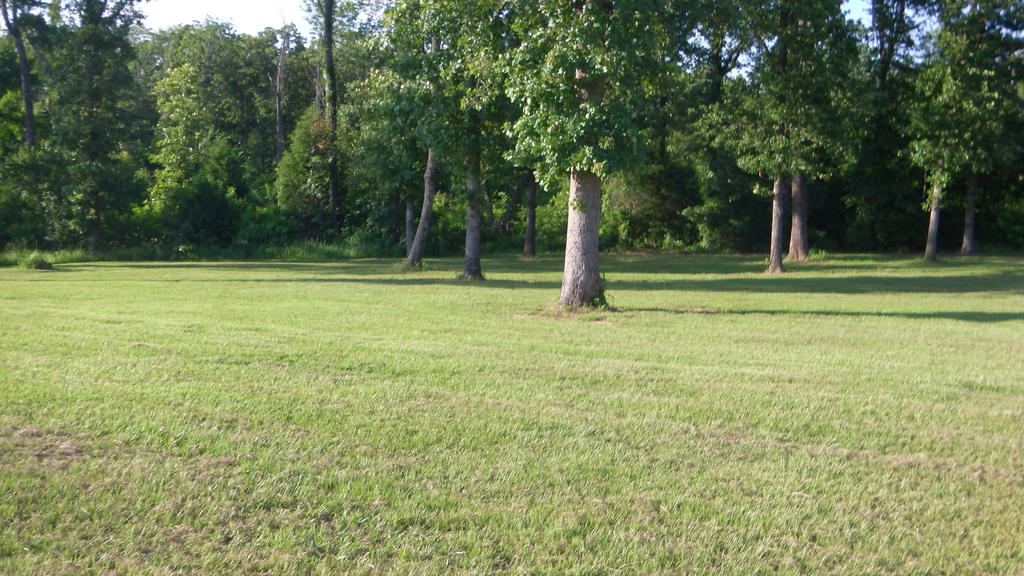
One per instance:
(443, 126)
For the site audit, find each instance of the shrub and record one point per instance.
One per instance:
(36, 261)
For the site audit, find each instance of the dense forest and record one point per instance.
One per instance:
(421, 127)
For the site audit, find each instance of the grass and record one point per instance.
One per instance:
(859, 415)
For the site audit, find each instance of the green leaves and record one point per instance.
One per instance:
(581, 76)
(965, 92)
(787, 115)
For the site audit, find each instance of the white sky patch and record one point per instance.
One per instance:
(252, 16)
(246, 16)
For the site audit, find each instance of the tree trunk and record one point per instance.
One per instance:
(931, 251)
(514, 200)
(530, 245)
(419, 243)
(581, 280)
(394, 218)
(472, 269)
(327, 12)
(798, 241)
(488, 205)
(778, 241)
(410, 226)
(24, 72)
(279, 135)
(970, 216)
(93, 237)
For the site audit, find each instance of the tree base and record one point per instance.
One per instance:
(472, 276)
(593, 302)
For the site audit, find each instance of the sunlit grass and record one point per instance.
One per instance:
(858, 415)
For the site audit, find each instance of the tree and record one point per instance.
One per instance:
(725, 215)
(966, 91)
(302, 176)
(580, 74)
(327, 13)
(530, 234)
(477, 34)
(384, 156)
(94, 123)
(430, 175)
(881, 186)
(16, 14)
(198, 173)
(784, 120)
(279, 83)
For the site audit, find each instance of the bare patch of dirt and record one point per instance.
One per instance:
(52, 449)
(696, 311)
(978, 472)
(149, 346)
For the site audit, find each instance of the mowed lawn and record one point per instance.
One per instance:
(861, 415)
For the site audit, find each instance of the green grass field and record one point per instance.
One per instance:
(862, 415)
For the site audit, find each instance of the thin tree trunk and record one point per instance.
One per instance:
(94, 237)
(970, 216)
(24, 72)
(410, 226)
(514, 200)
(429, 191)
(779, 194)
(472, 269)
(581, 280)
(931, 251)
(279, 96)
(327, 12)
(530, 244)
(488, 205)
(798, 240)
(394, 218)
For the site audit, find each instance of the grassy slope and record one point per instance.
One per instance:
(860, 416)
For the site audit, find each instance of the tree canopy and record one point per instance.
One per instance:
(691, 116)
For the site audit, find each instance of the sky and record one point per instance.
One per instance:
(252, 16)
(247, 16)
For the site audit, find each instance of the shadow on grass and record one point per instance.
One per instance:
(656, 264)
(753, 285)
(859, 284)
(978, 317)
(685, 273)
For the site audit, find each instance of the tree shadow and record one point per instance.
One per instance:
(859, 284)
(977, 317)
(685, 273)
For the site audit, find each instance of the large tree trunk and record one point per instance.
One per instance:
(530, 244)
(931, 251)
(419, 243)
(779, 194)
(14, 29)
(798, 240)
(581, 280)
(410, 226)
(970, 216)
(472, 269)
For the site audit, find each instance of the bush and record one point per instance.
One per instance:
(36, 261)
(1011, 222)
